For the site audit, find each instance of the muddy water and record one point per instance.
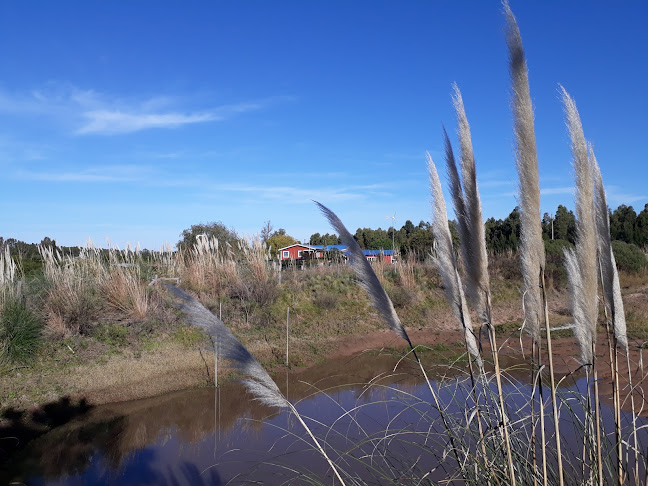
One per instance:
(222, 436)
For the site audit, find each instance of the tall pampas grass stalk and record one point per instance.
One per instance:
(531, 245)
(8, 277)
(257, 380)
(446, 262)
(473, 239)
(616, 323)
(368, 280)
(473, 243)
(581, 263)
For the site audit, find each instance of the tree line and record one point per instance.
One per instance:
(502, 235)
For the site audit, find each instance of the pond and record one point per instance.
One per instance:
(379, 425)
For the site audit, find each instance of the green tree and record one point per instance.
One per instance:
(420, 243)
(628, 256)
(279, 239)
(329, 239)
(547, 223)
(217, 230)
(565, 225)
(622, 223)
(641, 228)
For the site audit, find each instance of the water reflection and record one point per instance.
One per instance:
(208, 436)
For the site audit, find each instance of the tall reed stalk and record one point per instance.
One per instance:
(613, 303)
(473, 249)
(531, 245)
(581, 262)
(446, 262)
(368, 280)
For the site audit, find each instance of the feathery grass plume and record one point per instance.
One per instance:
(446, 261)
(526, 160)
(383, 304)
(368, 279)
(585, 302)
(610, 275)
(473, 243)
(258, 382)
(582, 331)
(8, 273)
(456, 191)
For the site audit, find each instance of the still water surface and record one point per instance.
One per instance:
(222, 436)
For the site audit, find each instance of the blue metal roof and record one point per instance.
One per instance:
(377, 252)
(336, 247)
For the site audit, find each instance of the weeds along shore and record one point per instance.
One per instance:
(95, 327)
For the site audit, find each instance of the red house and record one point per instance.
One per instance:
(299, 252)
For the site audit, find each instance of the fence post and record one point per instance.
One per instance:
(216, 363)
(287, 332)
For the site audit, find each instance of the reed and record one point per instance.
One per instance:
(475, 258)
(532, 252)
(613, 303)
(9, 289)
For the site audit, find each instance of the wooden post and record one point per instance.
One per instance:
(216, 364)
(287, 332)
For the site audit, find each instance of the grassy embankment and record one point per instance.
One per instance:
(93, 326)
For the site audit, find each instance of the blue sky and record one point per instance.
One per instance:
(135, 120)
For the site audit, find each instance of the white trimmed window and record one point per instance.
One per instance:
(299, 253)
(286, 254)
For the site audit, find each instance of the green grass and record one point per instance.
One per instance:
(115, 335)
(189, 337)
(20, 332)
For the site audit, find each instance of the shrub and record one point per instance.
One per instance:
(400, 296)
(20, 331)
(326, 300)
(628, 256)
(555, 248)
(113, 335)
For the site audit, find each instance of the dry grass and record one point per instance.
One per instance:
(71, 297)
(9, 284)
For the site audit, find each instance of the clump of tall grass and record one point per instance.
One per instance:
(123, 287)
(209, 267)
(8, 278)
(20, 331)
(72, 298)
(257, 281)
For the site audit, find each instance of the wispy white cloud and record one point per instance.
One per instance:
(114, 173)
(551, 191)
(104, 122)
(302, 194)
(617, 195)
(89, 112)
(547, 191)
